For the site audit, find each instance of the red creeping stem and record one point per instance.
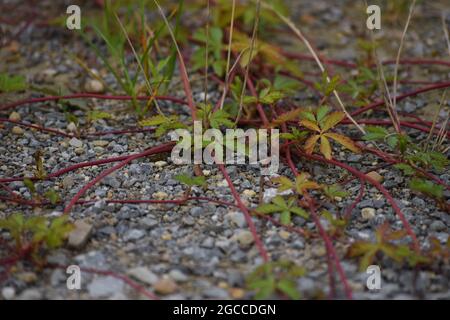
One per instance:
(88, 95)
(402, 123)
(328, 244)
(248, 217)
(376, 184)
(348, 211)
(159, 149)
(402, 96)
(351, 65)
(54, 131)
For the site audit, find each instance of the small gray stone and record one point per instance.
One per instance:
(237, 218)
(133, 234)
(149, 222)
(30, 294)
(104, 287)
(143, 274)
(178, 276)
(216, 293)
(74, 142)
(437, 225)
(8, 293)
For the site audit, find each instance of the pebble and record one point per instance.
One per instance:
(368, 213)
(17, 130)
(30, 294)
(160, 164)
(100, 143)
(437, 226)
(68, 182)
(15, 116)
(143, 274)
(375, 176)
(237, 293)
(74, 142)
(165, 286)
(244, 237)
(284, 234)
(160, 195)
(237, 218)
(249, 193)
(216, 293)
(94, 86)
(133, 234)
(72, 127)
(80, 235)
(105, 287)
(27, 277)
(178, 275)
(8, 293)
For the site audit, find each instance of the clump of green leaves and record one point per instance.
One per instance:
(328, 85)
(334, 191)
(300, 185)
(51, 194)
(277, 276)
(12, 83)
(320, 123)
(285, 208)
(427, 187)
(268, 94)
(35, 233)
(214, 119)
(361, 86)
(384, 245)
(214, 50)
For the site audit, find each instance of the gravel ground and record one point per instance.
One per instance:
(200, 250)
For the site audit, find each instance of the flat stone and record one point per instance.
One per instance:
(133, 234)
(105, 287)
(375, 176)
(100, 143)
(178, 276)
(143, 274)
(80, 235)
(30, 294)
(160, 195)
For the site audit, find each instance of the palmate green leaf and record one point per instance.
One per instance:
(271, 97)
(374, 133)
(220, 118)
(427, 187)
(191, 181)
(285, 183)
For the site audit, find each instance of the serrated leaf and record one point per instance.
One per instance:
(310, 143)
(332, 120)
(345, 141)
(325, 147)
(310, 125)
